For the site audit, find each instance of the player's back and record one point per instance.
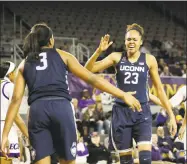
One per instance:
(46, 76)
(133, 77)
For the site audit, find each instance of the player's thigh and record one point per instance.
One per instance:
(142, 130)
(64, 130)
(120, 136)
(39, 129)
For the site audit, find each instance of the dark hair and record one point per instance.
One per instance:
(38, 37)
(136, 27)
(3, 69)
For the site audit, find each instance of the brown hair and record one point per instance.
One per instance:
(39, 36)
(136, 27)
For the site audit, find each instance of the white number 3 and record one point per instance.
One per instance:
(43, 60)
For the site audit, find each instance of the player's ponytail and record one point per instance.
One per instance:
(38, 37)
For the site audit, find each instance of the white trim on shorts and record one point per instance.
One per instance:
(114, 145)
(72, 107)
(144, 142)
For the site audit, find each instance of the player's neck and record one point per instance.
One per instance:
(133, 56)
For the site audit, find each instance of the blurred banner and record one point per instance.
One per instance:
(170, 84)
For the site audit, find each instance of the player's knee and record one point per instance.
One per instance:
(126, 159)
(145, 157)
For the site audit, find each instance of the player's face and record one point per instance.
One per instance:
(133, 41)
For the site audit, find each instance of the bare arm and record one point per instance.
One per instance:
(158, 85)
(107, 62)
(110, 60)
(21, 125)
(153, 67)
(155, 99)
(15, 103)
(76, 68)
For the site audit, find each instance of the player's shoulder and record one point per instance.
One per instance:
(150, 56)
(115, 56)
(150, 60)
(65, 55)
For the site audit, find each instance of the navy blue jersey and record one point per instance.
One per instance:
(46, 76)
(133, 77)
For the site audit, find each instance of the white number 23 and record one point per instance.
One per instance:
(128, 75)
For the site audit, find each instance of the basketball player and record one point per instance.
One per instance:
(132, 70)
(51, 119)
(7, 72)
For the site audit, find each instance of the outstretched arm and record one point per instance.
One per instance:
(76, 68)
(160, 90)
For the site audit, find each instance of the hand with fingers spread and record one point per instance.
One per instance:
(104, 43)
(181, 132)
(132, 101)
(5, 146)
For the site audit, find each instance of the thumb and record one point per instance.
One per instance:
(132, 93)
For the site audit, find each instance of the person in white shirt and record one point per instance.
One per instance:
(7, 75)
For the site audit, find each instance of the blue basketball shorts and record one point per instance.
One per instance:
(127, 125)
(52, 128)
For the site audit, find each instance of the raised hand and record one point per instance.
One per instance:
(104, 43)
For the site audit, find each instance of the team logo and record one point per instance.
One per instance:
(32, 153)
(123, 59)
(73, 149)
(141, 63)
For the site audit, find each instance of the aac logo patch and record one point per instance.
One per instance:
(73, 149)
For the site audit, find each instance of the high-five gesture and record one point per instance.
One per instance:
(104, 43)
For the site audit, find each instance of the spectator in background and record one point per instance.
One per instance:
(89, 118)
(85, 100)
(165, 145)
(102, 122)
(161, 118)
(82, 150)
(161, 64)
(146, 47)
(184, 70)
(97, 152)
(165, 72)
(177, 69)
(156, 154)
(78, 114)
(179, 121)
